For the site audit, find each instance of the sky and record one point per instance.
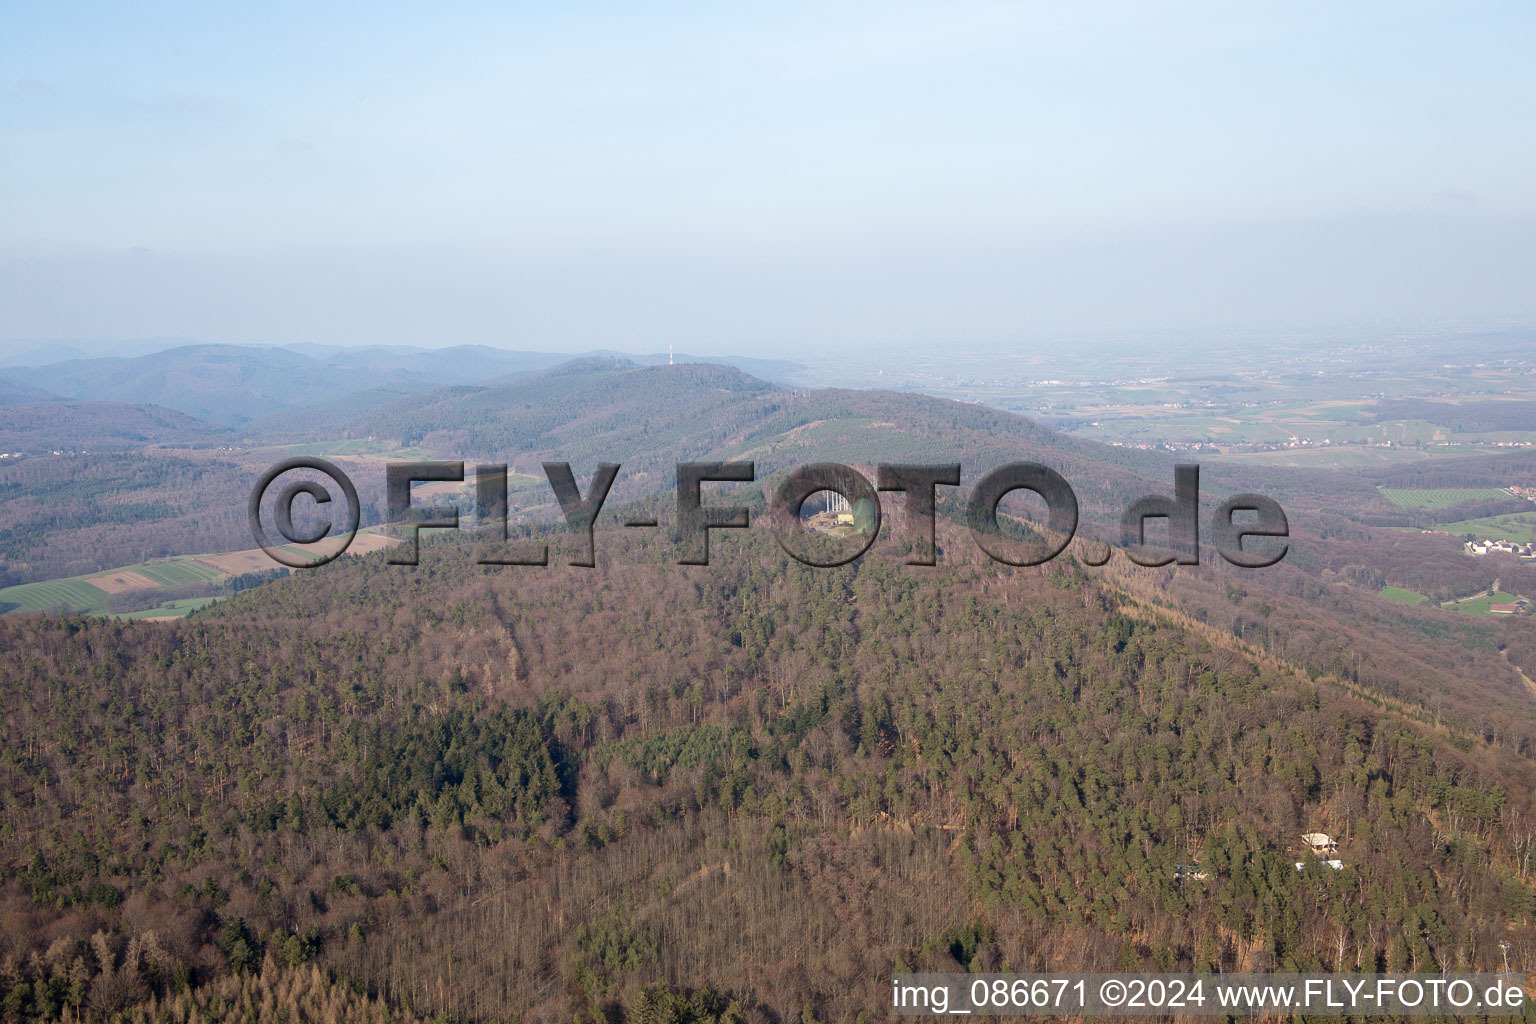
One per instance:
(761, 178)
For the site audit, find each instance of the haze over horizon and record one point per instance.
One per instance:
(762, 181)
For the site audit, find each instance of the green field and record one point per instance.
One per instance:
(1480, 605)
(1519, 527)
(175, 572)
(171, 609)
(1439, 497)
(36, 597)
(1402, 596)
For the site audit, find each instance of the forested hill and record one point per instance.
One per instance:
(742, 792)
(222, 384)
(589, 411)
(38, 426)
(650, 418)
(14, 392)
(607, 409)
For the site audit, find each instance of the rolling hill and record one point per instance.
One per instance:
(651, 417)
(14, 392)
(45, 426)
(233, 385)
(222, 384)
(588, 411)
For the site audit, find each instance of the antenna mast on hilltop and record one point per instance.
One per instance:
(669, 353)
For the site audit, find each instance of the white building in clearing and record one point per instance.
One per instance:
(1324, 846)
(1321, 843)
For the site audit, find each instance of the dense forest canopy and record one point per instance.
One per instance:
(492, 793)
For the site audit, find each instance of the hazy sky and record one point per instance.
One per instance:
(760, 177)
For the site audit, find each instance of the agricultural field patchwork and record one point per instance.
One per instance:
(88, 594)
(1292, 419)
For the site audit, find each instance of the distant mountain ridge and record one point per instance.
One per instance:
(222, 384)
(230, 385)
(43, 351)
